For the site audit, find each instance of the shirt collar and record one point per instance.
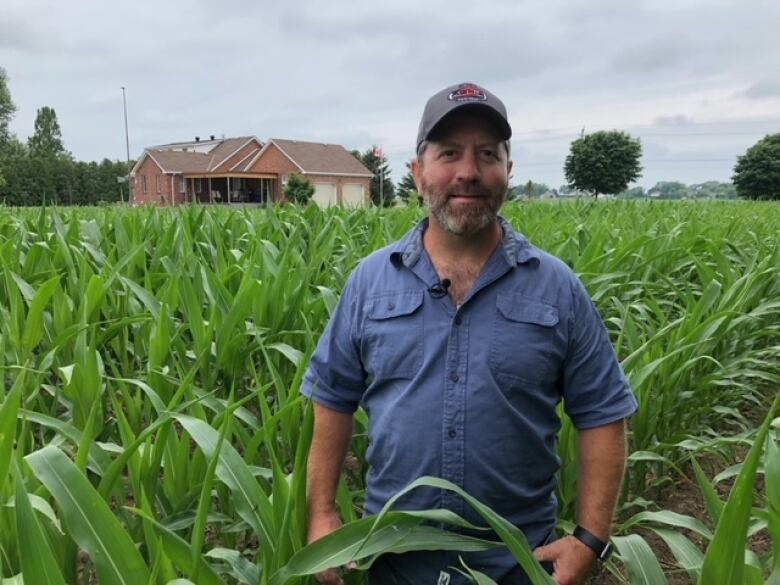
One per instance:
(516, 247)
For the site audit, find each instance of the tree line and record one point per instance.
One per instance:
(42, 171)
(605, 162)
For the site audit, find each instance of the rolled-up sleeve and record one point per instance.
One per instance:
(594, 387)
(335, 377)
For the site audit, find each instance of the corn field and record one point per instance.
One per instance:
(151, 430)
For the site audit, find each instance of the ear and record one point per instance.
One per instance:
(417, 173)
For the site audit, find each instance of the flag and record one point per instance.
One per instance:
(378, 152)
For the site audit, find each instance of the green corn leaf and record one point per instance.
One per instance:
(396, 532)
(201, 516)
(476, 576)
(772, 478)
(240, 568)
(688, 555)
(251, 503)
(639, 559)
(39, 564)
(89, 520)
(512, 536)
(668, 518)
(8, 413)
(179, 552)
(33, 326)
(711, 499)
(724, 562)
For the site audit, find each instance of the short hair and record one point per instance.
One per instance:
(424, 145)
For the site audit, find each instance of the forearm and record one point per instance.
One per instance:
(332, 434)
(602, 463)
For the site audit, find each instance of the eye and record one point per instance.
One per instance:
(447, 153)
(490, 153)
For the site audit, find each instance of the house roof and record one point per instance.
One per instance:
(207, 156)
(318, 158)
(195, 157)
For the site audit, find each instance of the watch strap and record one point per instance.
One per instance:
(593, 542)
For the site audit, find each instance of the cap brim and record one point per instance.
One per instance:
(482, 110)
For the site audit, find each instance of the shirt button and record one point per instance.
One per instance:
(390, 306)
(452, 434)
(454, 377)
(458, 320)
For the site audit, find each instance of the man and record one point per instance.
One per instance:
(459, 341)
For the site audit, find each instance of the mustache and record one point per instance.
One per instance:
(470, 190)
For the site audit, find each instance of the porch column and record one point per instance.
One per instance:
(228, 188)
(211, 193)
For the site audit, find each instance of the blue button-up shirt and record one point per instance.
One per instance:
(468, 393)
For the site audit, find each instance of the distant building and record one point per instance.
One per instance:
(243, 170)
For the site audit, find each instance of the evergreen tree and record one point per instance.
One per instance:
(407, 185)
(382, 188)
(7, 109)
(46, 141)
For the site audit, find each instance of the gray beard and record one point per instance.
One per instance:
(471, 225)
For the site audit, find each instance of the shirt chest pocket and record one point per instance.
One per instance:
(393, 335)
(525, 342)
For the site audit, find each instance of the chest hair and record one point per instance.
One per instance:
(462, 278)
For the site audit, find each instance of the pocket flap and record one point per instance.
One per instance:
(395, 304)
(527, 310)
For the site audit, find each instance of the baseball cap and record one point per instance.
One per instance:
(460, 97)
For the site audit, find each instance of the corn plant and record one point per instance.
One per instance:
(150, 425)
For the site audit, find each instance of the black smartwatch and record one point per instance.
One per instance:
(594, 543)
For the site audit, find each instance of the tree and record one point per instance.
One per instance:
(7, 111)
(603, 162)
(757, 172)
(407, 186)
(531, 189)
(298, 190)
(670, 190)
(382, 188)
(46, 141)
(7, 108)
(633, 193)
(714, 190)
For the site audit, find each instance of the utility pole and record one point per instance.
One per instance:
(127, 144)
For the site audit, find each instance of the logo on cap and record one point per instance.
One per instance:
(468, 92)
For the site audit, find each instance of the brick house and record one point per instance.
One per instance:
(245, 171)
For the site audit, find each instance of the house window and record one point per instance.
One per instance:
(159, 184)
(183, 185)
(199, 185)
(146, 184)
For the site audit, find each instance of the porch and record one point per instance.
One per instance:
(251, 189)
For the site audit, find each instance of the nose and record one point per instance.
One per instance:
(468, 168)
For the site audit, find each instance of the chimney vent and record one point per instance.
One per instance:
(212, 137)
(197, 139)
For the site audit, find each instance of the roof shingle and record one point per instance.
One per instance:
(318, 158)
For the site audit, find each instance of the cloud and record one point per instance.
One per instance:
(651, 56)
(673, 121)
(766, 88)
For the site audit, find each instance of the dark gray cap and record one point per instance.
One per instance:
(463, 96)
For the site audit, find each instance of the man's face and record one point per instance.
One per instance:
(463, 175)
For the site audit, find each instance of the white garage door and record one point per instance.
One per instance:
(352, 195)
(324, 194)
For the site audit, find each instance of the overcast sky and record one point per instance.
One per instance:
(697, 81)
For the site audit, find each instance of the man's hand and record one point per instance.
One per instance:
(571, 560)
(320, 525)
